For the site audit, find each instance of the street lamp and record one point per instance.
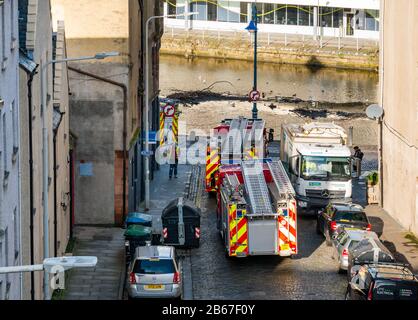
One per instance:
(45, 158)
(54, 265)
(146, 118)
(49, 264)
(252, 28)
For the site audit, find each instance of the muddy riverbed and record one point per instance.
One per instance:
(211, 90)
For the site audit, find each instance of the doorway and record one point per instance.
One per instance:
(349, 23)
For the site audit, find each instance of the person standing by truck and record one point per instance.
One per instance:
(358, 157)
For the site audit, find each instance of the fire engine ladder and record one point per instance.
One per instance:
(256, 188)
(281, 179)
(230, 141)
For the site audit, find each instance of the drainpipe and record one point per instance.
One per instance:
(382, 87)
(54, 139)
(125, 108)
(31, 201)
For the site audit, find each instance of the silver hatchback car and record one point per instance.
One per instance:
(347, 241)
(154, 273)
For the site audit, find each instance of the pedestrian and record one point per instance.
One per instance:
(174, 161)
(357, 153)
(358, 157)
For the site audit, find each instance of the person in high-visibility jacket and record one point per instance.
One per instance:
(173, 153)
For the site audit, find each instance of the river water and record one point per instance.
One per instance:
(236, 77)
(346, 91)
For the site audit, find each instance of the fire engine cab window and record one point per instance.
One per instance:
(161, 266)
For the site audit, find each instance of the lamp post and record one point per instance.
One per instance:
(146, 89)
(45, 156)
(252, 28)
(53, 266)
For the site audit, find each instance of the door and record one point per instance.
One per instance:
(349, 23)
(262, 237)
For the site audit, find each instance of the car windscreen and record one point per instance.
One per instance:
(395, 290)
(346, 216)
(154, 266)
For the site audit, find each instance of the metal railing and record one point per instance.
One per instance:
(267, 39)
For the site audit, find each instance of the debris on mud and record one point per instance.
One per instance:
(316, 114)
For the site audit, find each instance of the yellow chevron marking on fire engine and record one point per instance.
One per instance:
(162, 128)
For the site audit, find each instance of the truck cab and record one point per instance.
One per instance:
(319, 165)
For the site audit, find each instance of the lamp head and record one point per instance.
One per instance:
(251, 27)
(103, 55)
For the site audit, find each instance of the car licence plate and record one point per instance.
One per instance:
(154, 287)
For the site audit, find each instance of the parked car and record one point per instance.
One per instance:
(365, 252)
(335, 216)
(345, 242)
(383, 282)
(154, 273)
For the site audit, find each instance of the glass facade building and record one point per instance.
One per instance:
(278, 14)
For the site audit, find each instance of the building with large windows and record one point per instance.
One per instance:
(327, 18)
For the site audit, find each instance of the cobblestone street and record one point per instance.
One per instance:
(313, 275)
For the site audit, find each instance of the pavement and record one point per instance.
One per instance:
(103, 282)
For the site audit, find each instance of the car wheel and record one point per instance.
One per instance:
(347, 295)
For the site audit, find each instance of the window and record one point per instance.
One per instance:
(268, 13)
(154, 266)
(212, 10)
(281, 14)
(292, 15)
(180, 8)
(304, 16)
(12, 21)
(201, 8)
(171, 4)
(244, 12)
(326, 17)
(222, 11)
(3, 33)
(15, 127)
(344, 216)
(16, 233)
(4, 143)
(370, 20)
(259, 12)
(337, 18)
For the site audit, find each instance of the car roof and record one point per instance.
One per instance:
(162, 252)
(350, 207)
(359, 235)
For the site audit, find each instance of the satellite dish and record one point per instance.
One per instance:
(374, 111)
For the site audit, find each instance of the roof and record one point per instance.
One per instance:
(323, 150)
(317, 129)
(163, 252)
(27, 64)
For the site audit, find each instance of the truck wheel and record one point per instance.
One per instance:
(341, 271)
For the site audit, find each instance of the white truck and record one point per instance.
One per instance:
(318, 161)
